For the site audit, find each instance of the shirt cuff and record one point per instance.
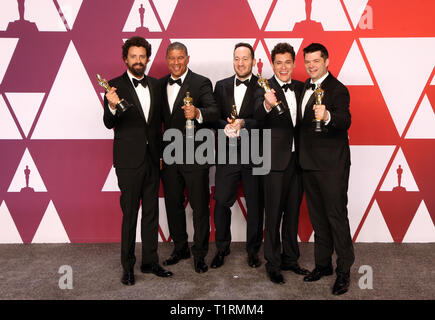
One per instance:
(200, 120)
(112, 111)
(264, 105)
(329, 118)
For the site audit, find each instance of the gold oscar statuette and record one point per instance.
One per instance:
(190, 125)
(121, 105)
(318, 94)
(262, 82)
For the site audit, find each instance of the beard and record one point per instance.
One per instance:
(137, 72)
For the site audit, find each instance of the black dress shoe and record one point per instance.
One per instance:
(200, 265)
(253, 260)
(341, 284)
(128, 278)
(176, 257)
(296, 269)
(276, 277)
(156, 269)
(318, 273)
(218, 260)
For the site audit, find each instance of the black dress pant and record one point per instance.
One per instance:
(227, 181)
(175, 179)
(282, 196)
(326, 195)
(136, 185)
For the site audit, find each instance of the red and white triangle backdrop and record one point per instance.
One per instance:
(57, 183)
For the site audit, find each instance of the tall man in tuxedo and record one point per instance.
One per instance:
(325, 160)
(176, 177)
(136, 150)
(239, 90)
(282, 186)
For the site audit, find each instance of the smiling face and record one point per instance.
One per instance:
(136, 60)
(283, 66)
(243, 62)
(315, 65)
(177, 61)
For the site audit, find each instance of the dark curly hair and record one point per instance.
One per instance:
(136, 42)
(281, 48)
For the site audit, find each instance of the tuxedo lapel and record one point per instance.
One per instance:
(229, 90)
(248, 95)
(309, 104)
(182, 93)
(152, 107)
(132, 93)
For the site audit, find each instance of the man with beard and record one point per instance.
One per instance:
(238, 90)
(178, 176)
(136, 154)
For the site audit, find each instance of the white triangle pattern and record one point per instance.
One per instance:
(7, 124)
(7, 46)
(368, 164)
(375, 229)
(354, 71)
(400, 94)
(259, 9)
(165, 9)
(422, 228)
(281, 20)
(25, 106)
(70, 9)
(111, 184)
(330, 13)
(19, 179)
(8, 230)
(355, 9)
(44, 14)
(423, 124)
(8, 13)
(51, 228)
(74, 118)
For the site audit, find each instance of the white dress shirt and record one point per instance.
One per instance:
(173, 90)
(143, 94)
(290, 97)
(239, 92)
(308, 94)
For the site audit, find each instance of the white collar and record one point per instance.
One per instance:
(319, 81)
(281, 83)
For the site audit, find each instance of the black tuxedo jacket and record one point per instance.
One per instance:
(282, 129)
(201, 91)
(132, 131)
(329, 149)
(224, 95)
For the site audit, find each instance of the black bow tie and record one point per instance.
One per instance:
(311, 86)
(290, 86)
(239, 82)
(172, 81)
(143, 81)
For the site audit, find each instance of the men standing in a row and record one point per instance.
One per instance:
(325, 160)
(238, 90)
(193, 176)
(136, 151)
(282, 186)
